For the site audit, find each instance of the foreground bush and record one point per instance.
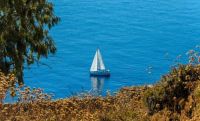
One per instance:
(126, 105)
(175, 97)
(174, 91)
(6, 82)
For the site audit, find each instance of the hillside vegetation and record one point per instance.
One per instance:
(175, 97)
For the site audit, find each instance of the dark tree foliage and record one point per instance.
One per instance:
(24, 33)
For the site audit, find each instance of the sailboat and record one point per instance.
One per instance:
(98, 67)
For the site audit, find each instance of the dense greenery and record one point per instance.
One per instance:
(24, 33)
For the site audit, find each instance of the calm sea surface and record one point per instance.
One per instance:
(139, 41)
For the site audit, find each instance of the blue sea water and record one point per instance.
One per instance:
(139, 41)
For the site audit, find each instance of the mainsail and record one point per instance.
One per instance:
(97, 63)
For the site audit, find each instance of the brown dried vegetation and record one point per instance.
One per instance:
(175, 97)
(6, 82)
(126, 105)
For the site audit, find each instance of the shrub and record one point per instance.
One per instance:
(6, 82)
(173, 89)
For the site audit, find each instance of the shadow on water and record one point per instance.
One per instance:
(97, 84)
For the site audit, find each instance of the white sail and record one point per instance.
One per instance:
(101, 65)
(94, 63)
(97, 63)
